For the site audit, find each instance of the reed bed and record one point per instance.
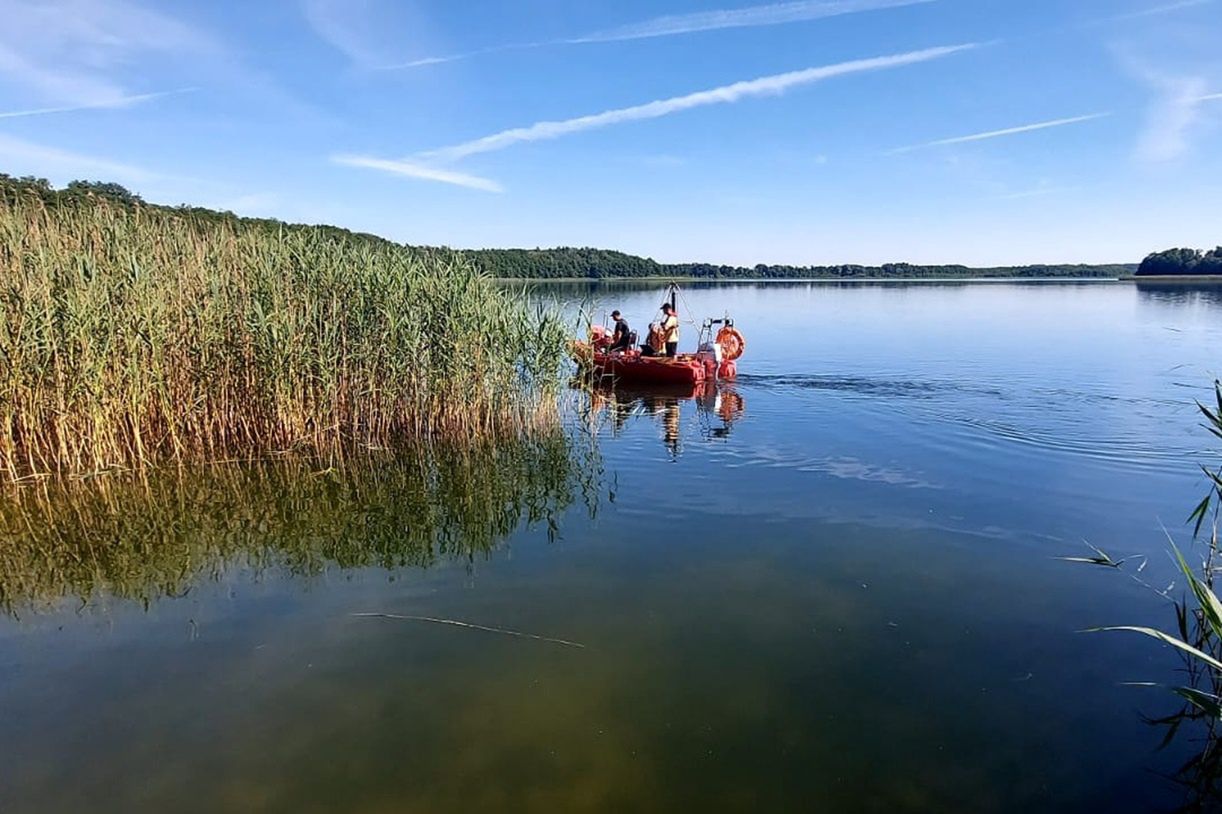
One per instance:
(132, 334)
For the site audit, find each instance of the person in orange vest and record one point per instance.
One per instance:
(670, 329)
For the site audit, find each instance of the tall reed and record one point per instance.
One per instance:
(132, 333)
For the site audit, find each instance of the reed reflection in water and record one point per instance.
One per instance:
(143, 538)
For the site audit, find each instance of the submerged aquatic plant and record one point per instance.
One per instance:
(133, 333)
(1197, 636)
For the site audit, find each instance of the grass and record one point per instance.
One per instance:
(132, 334)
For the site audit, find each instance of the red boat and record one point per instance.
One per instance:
(715, 359)
(685, 369)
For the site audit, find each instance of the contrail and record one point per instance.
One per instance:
(726, 94)
(118, 102)
(752, 16)
(413, 170)
(1009, 131)
(670, 25)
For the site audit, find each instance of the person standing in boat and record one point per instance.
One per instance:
(621, 337)
(670, 329)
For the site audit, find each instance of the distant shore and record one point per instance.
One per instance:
(789, 280)
(1124, 278)
(1177, 278)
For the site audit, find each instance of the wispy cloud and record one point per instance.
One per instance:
(411, 169)
(431, 165)
(74, 52)
(117, 102)
(1181, 85)
(102, 53)
(1009, 131)
(494, 49)
(22, 156)
(726, 94)
(343, 26)
(1037, 192)
(1171, 117)
(1156, 11)
(752, 16)
(670, 25)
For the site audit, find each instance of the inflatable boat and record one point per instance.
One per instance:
(716, 358)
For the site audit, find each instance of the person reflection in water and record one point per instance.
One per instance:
(720, 403)
(670, 421)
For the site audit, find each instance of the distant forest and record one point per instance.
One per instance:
(604, 264)
(85, 193)
(598, 264)
(1181, 262)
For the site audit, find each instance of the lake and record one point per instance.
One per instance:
(831, 585)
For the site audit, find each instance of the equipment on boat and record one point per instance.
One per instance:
(715, 357)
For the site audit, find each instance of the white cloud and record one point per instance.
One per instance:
(1170, 119)
(75, 52)
(425, 165)
(119, 102)
(1180, 89)
(1009, 131)
(344, 25)
(423, 172)
(22, 157)
(752, 16)
(419, 63)
(727, 94)
(374, 34)
(674, 24)
(1037, 192)
(1160, 10)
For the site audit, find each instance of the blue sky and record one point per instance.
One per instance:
(828, 131)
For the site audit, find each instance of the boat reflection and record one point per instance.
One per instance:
(718, 406)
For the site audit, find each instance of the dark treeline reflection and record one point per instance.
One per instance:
(145, 538)
(568, 291)
(1182, 293)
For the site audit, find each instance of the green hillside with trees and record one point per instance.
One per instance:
(566, 263)
(1182, 262)
(596, 264)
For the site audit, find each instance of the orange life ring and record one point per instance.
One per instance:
(732, 343)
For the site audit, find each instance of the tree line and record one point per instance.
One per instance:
(1174, 262)
(570, 263)
(597, 264)
(80, 194)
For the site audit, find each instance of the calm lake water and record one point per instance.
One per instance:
(831, 586)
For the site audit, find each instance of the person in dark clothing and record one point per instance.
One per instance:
(621, 337)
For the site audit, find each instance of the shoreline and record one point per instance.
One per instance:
(1187, 278)
(756, 280)
(1176, 278)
